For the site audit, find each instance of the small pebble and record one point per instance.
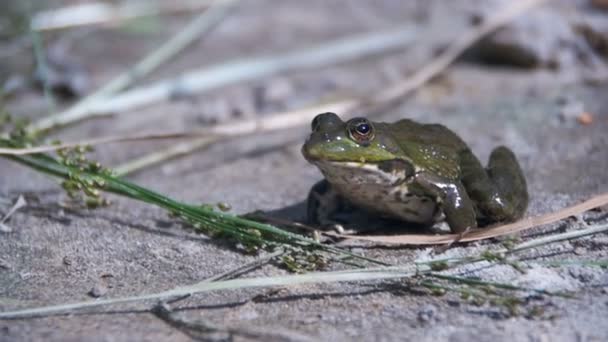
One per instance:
(223, 206)
(580, 251)
(67, 260)
(603, 4)
(427, 313)
(98, 290)
(585, 118)
(4, 264)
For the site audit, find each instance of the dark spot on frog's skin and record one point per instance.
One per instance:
(425, 200)
(409, 194)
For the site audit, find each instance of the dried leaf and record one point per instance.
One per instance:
(481, 234)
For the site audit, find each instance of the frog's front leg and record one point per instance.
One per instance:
(452, 199)
(500, 191)
(323, 205)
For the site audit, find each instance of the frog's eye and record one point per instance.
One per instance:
(361, 130)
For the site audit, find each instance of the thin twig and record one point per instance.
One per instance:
(239, 271)
(19, 203)
(235, 272)
(199, 26)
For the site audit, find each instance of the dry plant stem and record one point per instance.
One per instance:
(343, 106)
(231, 274)
(383, 273)
(233, 128)
(480, 234)
(201, 80)
(20, 203)
(235, 272)
(199, 26)
(575, 234)
(326, 277)
(454, 50)
(206, 79)
(155, 158)
(382, 99)
(592, 230)
(102, 13)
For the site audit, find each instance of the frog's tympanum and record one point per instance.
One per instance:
(422, 173)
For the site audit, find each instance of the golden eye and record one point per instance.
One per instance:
(361, 130)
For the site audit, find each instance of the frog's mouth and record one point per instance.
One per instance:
(349, 172)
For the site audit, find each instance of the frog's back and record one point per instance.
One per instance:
(433, 147)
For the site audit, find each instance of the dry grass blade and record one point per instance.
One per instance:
(197, 81)
(481, 234)
(233, 128)
(102, 13)
(378, 100)
(201, 24)
(233, 284)
(155, 158)
(298, 117)
(454, 50)
(96, 141)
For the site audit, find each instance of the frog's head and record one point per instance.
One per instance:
(357, 151)
(357, 140)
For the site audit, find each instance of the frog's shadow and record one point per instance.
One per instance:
(356, 220)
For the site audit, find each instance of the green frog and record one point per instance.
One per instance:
(420, 173)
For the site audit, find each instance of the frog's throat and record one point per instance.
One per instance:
(338, 172)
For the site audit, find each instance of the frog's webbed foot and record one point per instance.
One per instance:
(499, 191)
(506, 174)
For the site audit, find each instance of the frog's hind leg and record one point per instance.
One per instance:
(499, 192)
(506, 174)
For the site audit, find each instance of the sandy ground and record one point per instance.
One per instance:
(56, 255)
